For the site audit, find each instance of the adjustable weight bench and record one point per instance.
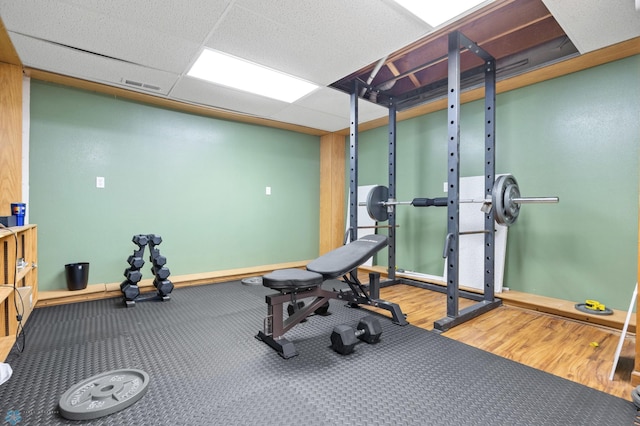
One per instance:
(295, 284)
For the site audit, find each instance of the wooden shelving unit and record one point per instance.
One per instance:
(15, 243)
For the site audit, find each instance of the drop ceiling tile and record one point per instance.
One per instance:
(62, 60)
(200, 92)
(172, 17)
(335, 102)
(368, 111)
(91, 31)
(317, 41)
(594, 24)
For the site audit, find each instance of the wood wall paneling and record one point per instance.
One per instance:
(332, 175)
(10, 136)
(635, 375)
(8, 53)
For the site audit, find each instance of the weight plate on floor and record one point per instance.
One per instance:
(252, 281)
(103, 394)
(376, 196)
(582, 307)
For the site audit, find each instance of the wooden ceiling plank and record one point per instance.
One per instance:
(396, 73)
(507, 18)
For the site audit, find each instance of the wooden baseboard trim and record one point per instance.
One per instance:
(109, 290)
(549, 305)
(559, 307)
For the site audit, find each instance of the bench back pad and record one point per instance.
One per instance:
(340, 261)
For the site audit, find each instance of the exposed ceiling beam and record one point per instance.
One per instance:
(602, 56)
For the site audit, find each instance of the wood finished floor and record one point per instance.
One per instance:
(570, 349)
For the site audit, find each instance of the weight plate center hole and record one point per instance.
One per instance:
(109, 390)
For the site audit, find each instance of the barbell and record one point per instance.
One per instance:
(505, 200)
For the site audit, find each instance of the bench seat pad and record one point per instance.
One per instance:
(292, 279)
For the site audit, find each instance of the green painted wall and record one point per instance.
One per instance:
(198, 182)
(576, 137)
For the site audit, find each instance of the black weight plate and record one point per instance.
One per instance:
(504, 189)
(377, 195)
(103, 394)
(513, 209)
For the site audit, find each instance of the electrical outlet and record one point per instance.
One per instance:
(267, 190)
(99, 182)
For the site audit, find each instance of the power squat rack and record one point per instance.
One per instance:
(457, 42)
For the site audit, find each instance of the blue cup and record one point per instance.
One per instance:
(18, 210)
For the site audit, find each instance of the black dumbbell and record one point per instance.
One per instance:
(130, 291)
(344, 337)
(154, 240)
(164, 286)
(140, 240)
(159, 261)
(161, 273)
(292, 309)
(135, 262)
(126, 282)
(323, 310)
(133, 275)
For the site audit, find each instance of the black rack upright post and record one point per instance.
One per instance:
(353, 170)
(489, 175)
(391, 250)
(456, 316)
(353, 164)
(453, 174)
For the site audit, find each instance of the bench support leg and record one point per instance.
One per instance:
(285, 348)
(275, 326)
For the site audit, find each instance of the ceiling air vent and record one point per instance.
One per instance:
(140, 85)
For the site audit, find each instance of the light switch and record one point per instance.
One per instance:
(99, 182)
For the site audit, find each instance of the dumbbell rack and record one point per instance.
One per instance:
(133, 274)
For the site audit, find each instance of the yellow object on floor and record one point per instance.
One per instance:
(594, 305)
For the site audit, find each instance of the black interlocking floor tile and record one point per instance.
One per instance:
(207, 368)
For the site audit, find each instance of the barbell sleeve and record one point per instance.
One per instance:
(533, 200)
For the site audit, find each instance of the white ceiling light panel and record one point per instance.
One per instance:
(437, 12)
(226, 70)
